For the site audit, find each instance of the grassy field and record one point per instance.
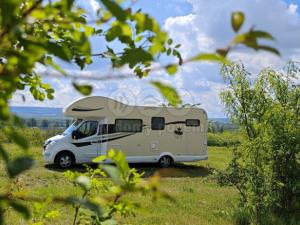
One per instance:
(199, 200)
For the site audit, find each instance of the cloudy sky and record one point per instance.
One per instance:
(199, 26)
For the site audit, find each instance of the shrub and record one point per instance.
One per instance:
(266, 167)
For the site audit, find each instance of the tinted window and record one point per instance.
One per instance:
(158, 123)
(128, 125)
(192, 123)
(106, 128)
(87, 128)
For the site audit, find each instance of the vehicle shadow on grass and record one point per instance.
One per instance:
(176, 170)
(149, 169)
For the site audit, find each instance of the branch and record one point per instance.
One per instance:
(106, 77)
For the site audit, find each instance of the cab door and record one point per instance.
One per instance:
(87, 141)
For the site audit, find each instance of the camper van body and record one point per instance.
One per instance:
(145, 134)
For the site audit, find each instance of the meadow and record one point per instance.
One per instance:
(198, 198)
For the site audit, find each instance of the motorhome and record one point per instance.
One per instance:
(145, 134)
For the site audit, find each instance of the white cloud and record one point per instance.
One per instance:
(293, 8)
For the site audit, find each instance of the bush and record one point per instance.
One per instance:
(265, 168)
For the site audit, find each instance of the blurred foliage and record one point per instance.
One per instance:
(38, 33)
(266, 167)
(101, 200)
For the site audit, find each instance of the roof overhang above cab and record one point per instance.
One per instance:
(93, 106)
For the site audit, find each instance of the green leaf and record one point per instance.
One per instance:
(169, 51)
(177, 46)
(170, 41)
(52, 214)
(57, 50)
(86, 203)
(168, 92)
(115, 10)
(268, 49)
(18, 139)
(8, 11)
(70, 3)
(171, 69)
(22, 209)
(99, 159)
(133, 56)
(261, 34)
(19, 165)
(139, 38)
(210, 57)
(50, 96)
(113, 173)
(50, 90)
(84, 182)
(84, 89)
(120, 159)
(237, 20)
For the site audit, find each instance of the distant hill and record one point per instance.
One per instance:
(220, 120)
(28, 112)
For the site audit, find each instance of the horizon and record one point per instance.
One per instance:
(41, 107)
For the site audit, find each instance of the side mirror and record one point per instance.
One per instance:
(74, 134)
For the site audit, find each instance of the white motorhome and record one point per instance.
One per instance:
(145, 134)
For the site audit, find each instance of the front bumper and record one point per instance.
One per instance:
(48, 158)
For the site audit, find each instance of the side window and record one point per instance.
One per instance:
(157, 123)
(106, 129)
(129, 125)
(102, 129)
(88, 128)
(192, 123)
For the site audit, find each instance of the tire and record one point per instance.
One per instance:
(165, 161)
(64, 160)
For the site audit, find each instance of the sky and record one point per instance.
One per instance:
(199, 26)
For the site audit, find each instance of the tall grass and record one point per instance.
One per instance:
(35, 136)
(225, 139)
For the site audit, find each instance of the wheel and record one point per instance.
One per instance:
(64, 160)
(165, 161)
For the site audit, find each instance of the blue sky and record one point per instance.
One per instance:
(200, 26)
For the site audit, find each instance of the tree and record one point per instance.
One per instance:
(67, 123)
(32, 122)
(45, 124)
(266, 168)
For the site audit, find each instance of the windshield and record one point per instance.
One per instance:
(72, 127)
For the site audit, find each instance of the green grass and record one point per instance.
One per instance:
(199, 200)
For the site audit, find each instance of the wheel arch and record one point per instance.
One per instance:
(167, 154)
(65, 151)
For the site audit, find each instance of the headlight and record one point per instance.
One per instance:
(50, 144)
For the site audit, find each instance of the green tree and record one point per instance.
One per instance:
(45, 124)
(266, 167)
(32, 122)
(67, 123)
